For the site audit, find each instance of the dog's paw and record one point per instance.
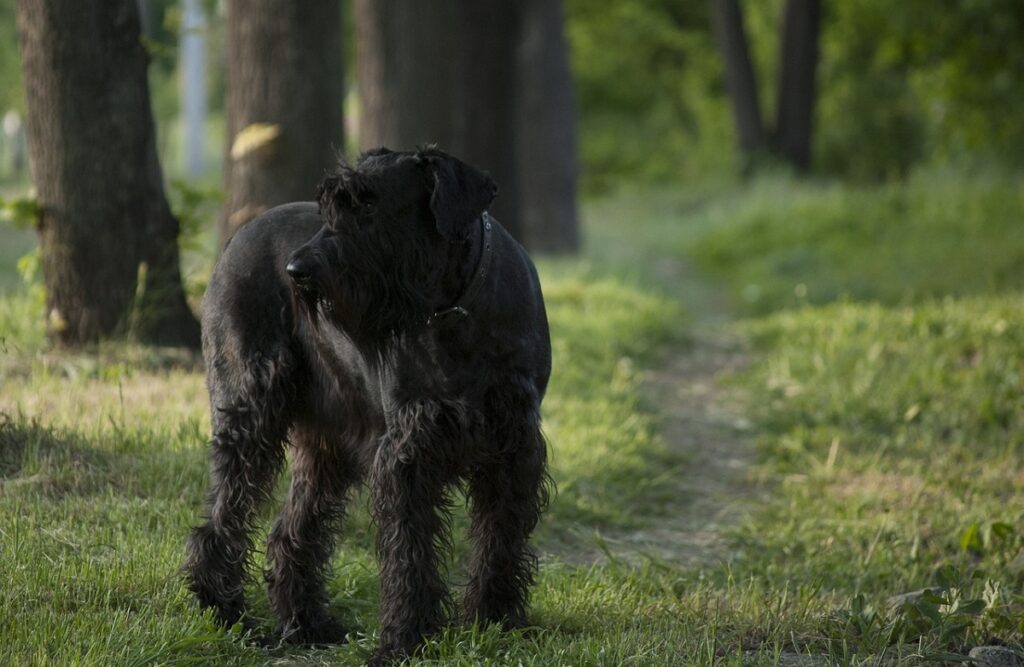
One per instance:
(514, 622)
(385, 657)
(325, 633)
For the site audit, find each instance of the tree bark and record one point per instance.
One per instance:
(284, 74)
(546, 139)
(406, 55)
(103, 217)
(727, 21)
(488, 33)
(796, 92)
(443, 72)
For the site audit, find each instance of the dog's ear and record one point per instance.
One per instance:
(461, 193)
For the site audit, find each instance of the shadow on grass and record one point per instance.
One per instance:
(50, 462)
(25, 442)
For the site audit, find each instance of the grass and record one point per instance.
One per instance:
(784, 244)
(104, 470)
(886, 405)
(889, 419)
(894, 436)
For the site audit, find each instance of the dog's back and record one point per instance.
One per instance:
(247, 310)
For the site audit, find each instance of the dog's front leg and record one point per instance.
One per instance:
(508, 490)
(299, 546)
(410, 480)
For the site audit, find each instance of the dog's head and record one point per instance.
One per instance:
(393, 225)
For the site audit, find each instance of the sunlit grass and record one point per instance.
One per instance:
(895, 437)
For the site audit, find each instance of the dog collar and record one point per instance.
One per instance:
(449, 316)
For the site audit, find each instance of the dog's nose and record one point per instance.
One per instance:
(299, 271)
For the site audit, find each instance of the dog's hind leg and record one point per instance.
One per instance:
(507, 491)
(300, 544)
(247, 449)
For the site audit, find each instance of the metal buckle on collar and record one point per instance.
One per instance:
(442, 319)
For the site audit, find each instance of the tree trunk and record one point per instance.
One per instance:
(443, 72)
(162, 315)
(406, 55)
(546, 138)
(727, 21)
(796, 93)
(284, 103)
(488, 34)
(103, 215)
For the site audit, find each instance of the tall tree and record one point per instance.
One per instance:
(798, 61)
(727, 21)
(547, 166)
(104, 221)
(796, 94)
(284, 103)
(406, 61)
(488, 80)
(443, 73)
(487, 32)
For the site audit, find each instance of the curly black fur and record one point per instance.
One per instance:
(316, 336)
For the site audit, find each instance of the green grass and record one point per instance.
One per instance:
(894, 437)
(890, 419)
(104, 470)
(888, 423)
(785, 244)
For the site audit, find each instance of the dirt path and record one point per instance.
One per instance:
(699, 423)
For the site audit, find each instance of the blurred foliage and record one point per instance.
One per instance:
(21, 211)
(10, 62)
(899, 84)
(650, 91)
(782, 244)
(869, 117)
(902, 82)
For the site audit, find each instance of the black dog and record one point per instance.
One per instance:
(398, 336)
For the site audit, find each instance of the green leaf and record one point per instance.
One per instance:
(971, 607)
(930, 611)
(970, 539)
(22, 212)
(1001, 531)
(947, 576)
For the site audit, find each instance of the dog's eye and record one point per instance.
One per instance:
(365, 208)
(365, 213)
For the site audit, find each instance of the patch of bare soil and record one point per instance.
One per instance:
(703, 426)
(712, 437)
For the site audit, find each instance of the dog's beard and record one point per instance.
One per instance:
(309, 303)
(320, 308)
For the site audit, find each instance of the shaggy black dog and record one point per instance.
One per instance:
(398, 336)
